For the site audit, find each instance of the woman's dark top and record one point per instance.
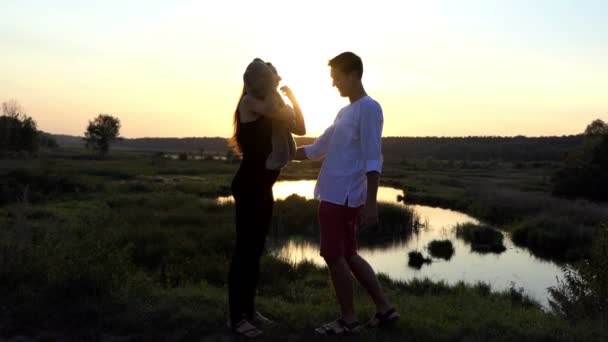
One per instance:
(255, 138)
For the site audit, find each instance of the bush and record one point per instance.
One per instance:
(482, 238)
(554, 236)
(583, 294)
(441, 249)
(416, 260)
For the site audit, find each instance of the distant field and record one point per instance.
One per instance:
(395, 148)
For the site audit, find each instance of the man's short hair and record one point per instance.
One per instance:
(347, 62)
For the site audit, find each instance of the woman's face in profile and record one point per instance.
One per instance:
(264, 83)
(276, 79)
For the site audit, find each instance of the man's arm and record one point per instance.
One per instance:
(373, 180)
(300, 154)
(318, 149)
(370, 211)
(371, 147)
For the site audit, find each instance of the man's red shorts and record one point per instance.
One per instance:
(338, 227)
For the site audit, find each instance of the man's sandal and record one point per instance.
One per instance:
(338, 327)
(382, 319)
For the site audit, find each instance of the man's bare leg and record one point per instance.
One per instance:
(342, 281)
(367, 278)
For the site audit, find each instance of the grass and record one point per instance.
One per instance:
(398, 222)
(141, 252)
(442, 249)
(483, 238)
(552, 236)
(416, 260)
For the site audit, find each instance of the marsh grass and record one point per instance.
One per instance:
(134, 256)
(518, 201)
(442, 249)
(396, 222)
(416, 260)
(482, 238)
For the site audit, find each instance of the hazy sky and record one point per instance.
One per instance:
(174, 68)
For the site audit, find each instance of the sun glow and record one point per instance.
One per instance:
(319, 109)
(174, 69)
(318, 100)
(307, 74)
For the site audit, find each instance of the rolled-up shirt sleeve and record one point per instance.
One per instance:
(319, 148)
(372, 122)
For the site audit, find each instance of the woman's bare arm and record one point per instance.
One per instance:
(300, 127)
(269, 107)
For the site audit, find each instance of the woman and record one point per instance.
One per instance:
(252, 185)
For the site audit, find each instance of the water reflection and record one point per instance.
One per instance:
(193, 156)
(514, 266)
(305, 188)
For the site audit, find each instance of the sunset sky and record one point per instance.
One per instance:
(174, 68)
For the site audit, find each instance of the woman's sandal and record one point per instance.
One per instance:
(257, 319)
(245, 328)
(338, 327)
(382, 319)
(260, 319)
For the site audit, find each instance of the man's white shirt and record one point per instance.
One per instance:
(352, 147)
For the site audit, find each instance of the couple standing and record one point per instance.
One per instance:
(346, 188)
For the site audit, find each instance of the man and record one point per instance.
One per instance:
(346, 188)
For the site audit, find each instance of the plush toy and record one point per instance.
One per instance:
(259, 83)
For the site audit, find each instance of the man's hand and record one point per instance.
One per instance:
(369, 215)
(300, 154)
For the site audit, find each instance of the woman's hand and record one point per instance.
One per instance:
(287, 92)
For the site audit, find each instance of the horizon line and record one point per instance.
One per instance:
(309, 137)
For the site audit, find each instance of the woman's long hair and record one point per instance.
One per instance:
(234, 142)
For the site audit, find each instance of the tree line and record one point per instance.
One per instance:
(19, 132)
(512, 149)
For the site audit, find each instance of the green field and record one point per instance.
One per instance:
(136, 247)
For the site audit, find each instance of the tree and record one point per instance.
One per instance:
(585, 169)
(597, 128)
(18, 131)
(12, 109)
(101, 131)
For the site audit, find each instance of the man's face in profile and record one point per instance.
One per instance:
(340, 81)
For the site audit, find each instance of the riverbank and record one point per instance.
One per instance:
(137, 248)
(513, 197)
